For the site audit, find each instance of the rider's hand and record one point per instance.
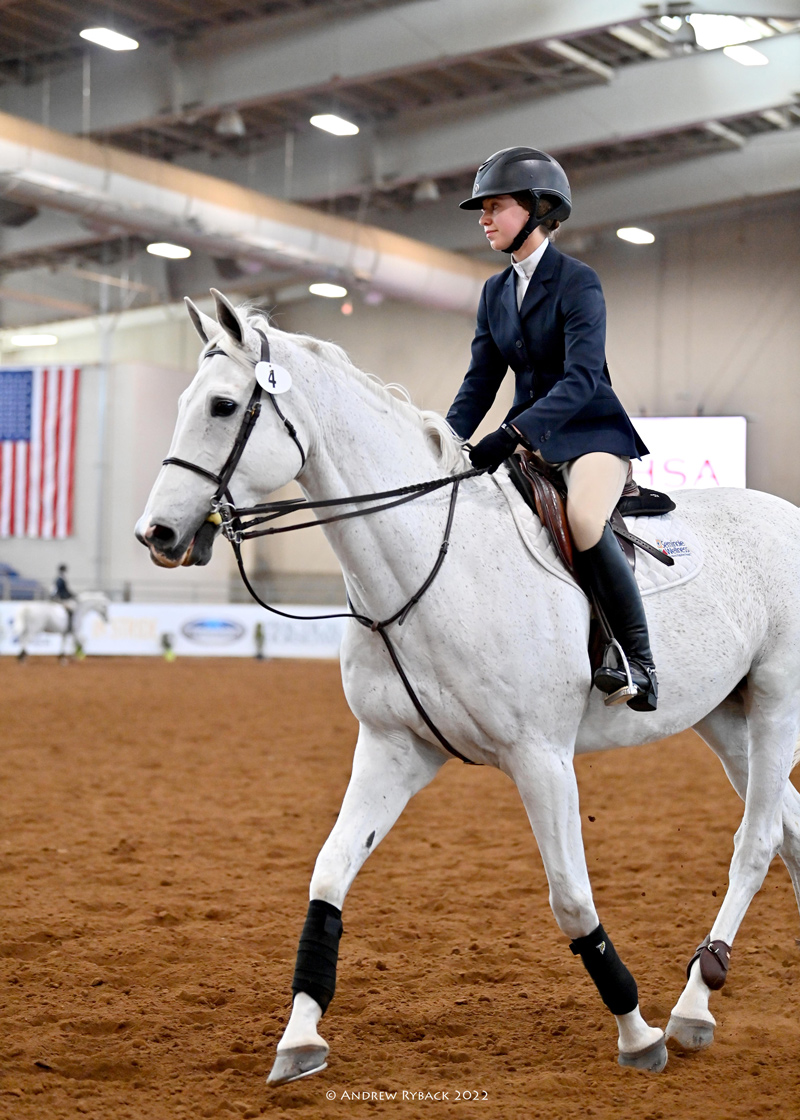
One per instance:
(493, 449)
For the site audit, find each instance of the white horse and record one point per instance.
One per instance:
(497, 650)
(54, 618)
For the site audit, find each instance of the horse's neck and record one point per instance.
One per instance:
(83, 606)
(368, 446)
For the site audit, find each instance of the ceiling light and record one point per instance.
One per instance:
(33, 339)
(329, 291)
(635, 235)
(166, 249)
(329, 122)
(230, 124)
(746, 56)
(723, 31)
(105, 37)
(426, 190)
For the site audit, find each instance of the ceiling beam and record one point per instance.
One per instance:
(254, 64)
(644, 99)
(766, 166)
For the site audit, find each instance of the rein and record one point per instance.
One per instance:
(229, 517)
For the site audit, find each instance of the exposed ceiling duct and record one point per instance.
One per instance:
(125, 192)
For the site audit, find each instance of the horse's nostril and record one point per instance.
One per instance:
(162, 533)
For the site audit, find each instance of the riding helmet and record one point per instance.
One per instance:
(513, 170)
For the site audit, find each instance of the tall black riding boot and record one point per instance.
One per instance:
(608, 573)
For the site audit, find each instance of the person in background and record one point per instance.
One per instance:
(61, 592)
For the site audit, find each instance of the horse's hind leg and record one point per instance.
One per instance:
(388, 769)
(755, 738)
(545, 778)
(725, 731)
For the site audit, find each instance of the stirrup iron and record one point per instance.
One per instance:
(628, 690)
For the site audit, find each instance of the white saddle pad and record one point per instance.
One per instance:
(668, 533)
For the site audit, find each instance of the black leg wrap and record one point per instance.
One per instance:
(615, 984)
(318, 952)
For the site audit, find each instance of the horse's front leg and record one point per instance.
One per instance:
(545, 778)
(388, 769)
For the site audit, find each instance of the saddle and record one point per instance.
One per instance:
(543, 489)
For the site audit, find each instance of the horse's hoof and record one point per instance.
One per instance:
(300, 1061)
(690, 1034)
(652, 1059)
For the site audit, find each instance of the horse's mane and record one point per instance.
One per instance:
(444, 445)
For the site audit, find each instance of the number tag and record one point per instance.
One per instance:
(272, 378)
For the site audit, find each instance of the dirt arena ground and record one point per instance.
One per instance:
(159, 827)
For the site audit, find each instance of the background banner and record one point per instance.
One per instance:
(192, 630)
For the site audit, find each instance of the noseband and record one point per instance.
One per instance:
(251, 414)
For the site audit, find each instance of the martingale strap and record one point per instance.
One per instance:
(380, 627)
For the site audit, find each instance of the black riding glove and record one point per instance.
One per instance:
(493, 449)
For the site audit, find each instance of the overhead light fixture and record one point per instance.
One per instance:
(230, 124)
(746, 56)
(105, 37)
(329, 122)
(714, 31)
(426, 190)
(34, 339)
(167, 249)
(635, 235)
(329, 291)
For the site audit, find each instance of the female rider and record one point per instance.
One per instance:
(544, 316)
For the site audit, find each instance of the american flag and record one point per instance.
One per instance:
(38, 419)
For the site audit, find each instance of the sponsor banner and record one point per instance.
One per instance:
(691, 452)
(190, 630)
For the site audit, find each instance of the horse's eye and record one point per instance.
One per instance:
(223, 407)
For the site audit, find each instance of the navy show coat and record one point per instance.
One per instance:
(555, 344)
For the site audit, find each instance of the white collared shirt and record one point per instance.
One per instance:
(525, 269)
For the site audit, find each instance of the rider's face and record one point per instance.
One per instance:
(502, 218)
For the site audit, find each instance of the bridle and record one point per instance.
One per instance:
(229, 517)
(251, 414)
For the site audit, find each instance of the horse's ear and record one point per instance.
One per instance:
(203, 324)
(228, 318)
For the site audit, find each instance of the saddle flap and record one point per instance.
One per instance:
(543, 490)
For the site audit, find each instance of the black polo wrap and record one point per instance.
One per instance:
(614, 982)
(318, 952)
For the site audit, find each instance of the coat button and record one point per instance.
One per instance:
(519, 344)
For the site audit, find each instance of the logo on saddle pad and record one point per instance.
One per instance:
(673, 548)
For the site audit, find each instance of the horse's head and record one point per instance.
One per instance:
(93, 601)
(177, 525)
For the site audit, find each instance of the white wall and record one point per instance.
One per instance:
(706, 320)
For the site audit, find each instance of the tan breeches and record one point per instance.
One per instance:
(594, 484)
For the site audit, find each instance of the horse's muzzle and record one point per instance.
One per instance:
(167, 551)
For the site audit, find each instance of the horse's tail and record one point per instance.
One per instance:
(796, 755)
